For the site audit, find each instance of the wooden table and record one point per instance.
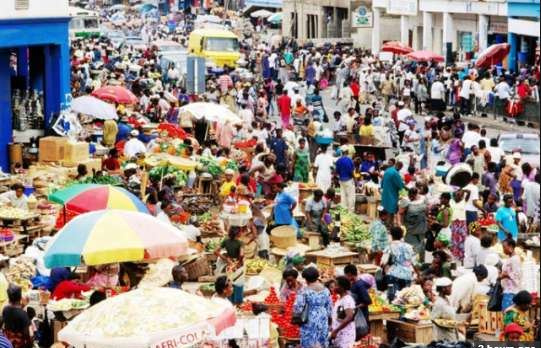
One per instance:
(326, 259)
(409, 332)
(377, 327)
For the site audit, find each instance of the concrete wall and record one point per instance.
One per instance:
(36, 9)
(362, 37)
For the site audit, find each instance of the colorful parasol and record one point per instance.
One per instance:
(115, 94)
(425, 56)
(396, 47)
(492, 55)
(82, 198)
(149, 317)
(109, 236)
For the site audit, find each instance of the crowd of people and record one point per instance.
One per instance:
(290, 97)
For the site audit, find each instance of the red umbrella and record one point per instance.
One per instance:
(396, 47)
(425, 56)
(173, 130)
(116, 94)
(492, 55)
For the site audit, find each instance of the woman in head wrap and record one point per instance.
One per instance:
(518, 314)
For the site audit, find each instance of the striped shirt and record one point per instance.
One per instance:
(4, 342)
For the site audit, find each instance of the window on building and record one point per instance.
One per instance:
(21, 5)
(294, 25)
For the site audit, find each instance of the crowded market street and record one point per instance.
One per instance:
(269, 173)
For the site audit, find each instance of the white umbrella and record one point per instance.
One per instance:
(95, 107)
(149, 317)
(261, 14)
(211, 112)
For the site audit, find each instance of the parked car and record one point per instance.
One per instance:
(526, 144)
(117, 38)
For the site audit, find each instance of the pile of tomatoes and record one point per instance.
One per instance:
(283, 320)
(272, 298)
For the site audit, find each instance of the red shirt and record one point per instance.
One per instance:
(284, 104)
(252, 184)
(523, 91)
(355, 89)
(69, 289)
(111, 163)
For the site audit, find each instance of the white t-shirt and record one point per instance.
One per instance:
(466, 89)
(437, 91)
(470, 138)
(133, 147)
(402, 116)
(472, 247)
(474, 195)
(496, 154)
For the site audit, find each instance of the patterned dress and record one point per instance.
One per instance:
(515, 315)
(315, 332)
(345, 337)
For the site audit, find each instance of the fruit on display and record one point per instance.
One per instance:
(380, 304)
(15, 213)
(255, 266)
(246, 307)
(272, 298)
(420, 314)
(21, 270)
(412, 296)
(283, 320)
(213, 244)
(352, 227)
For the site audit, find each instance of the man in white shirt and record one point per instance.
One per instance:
(134, 146)
(502, 89)
(437, 96)
(471, 137)
(465, 94)
(247, 115)
(463, 290)
(472, 248)
(15, 198)
(496, 153)
(166, 210)
(403, 114)
(474, 204)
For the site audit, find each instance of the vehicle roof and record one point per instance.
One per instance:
(77, 11)
(519, 135)
(215, 33)
(166, 43)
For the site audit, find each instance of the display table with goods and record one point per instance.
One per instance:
(379, 312)
(333, 255)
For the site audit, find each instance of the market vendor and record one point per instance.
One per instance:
(443, 309)
(233, 256)
(284, 203)
(464, 289)
(105, 276)
(15, 198)
(223, 287)
(518, 314)
(316, 210)
(134, 146)
(291, 283)
(180, 275)
(112, 163)
(70, 288)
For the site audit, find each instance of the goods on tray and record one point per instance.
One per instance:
(146, 311)
(15, 213)
(159, 172)
(21, 270)
(447, 323)
(213, 244)
(6, 235)
(197, 204)
(412, 296)
(352, 227)
(418, 314)
(211, 228)
(272, 298)
(67, 304)
(380, 304)
(283, 320)
(246, 307)
(254, 266)
(204, 217)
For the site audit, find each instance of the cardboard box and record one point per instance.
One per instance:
(52, 149)
(76, 152)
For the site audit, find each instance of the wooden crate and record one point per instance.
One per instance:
(409, 332)
(76, 152)
(197, 268)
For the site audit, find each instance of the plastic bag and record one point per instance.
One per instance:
(361, 326)
(496, 298)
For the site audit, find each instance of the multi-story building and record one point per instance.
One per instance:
(464, 26)
(34, 55)
(523, 31)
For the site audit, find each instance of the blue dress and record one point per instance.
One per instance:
(391, 185)
(315, 332)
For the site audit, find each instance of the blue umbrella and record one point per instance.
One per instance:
(276, 18)
(147, 7)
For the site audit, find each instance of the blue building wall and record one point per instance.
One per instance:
(46, 39)
(520, 8)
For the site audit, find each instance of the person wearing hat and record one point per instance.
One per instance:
(345, 169)
(134, 146)
(443, 309)
(513, 333)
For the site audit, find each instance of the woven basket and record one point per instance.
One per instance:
(283, 237)
(197, 268)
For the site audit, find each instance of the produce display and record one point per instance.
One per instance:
(205, 217)
(212, 244)
(158, 274)
(197, 204)
(352, 227)
(283, 320)
(272, 298)
(147, 311)
(412, 296)
(447, 323)
(419, 314)
(21, 270)
(211, 228)
(67, 304)
(380, 304)
(159, 172)
(254, 266)
(102, 180)
(10, 213)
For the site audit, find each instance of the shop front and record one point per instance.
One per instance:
(523, 32)
(34, 77)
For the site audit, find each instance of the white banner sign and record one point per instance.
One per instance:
(402, 7)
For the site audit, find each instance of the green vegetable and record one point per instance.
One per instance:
(352, 227)
(102, 180)
(204, 217)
